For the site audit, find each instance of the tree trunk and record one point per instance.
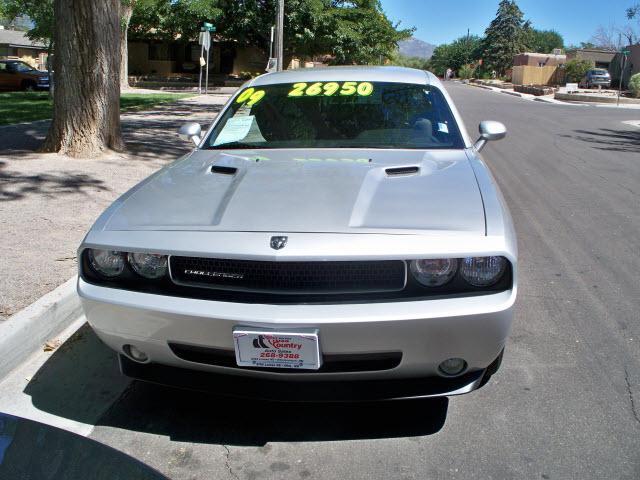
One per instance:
(86, 99)
(125, 17)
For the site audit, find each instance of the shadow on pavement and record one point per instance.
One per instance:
(16, 185)
(32, 450)
(81, 382)
(150, 133)
(610, 140)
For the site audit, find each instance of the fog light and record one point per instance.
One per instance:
(453, 366)
(135, 353)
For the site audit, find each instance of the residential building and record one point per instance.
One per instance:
(631, 65)
(167, 58)
(602, 58)
(15, 44)
(539, 60)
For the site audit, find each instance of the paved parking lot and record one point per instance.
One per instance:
(566, 403)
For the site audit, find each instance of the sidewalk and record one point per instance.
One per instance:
(553, 99)
(48, 202)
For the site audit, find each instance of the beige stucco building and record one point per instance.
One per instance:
(601, 58)
(539, 60)
(153, 57)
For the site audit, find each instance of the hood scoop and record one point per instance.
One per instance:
(402, 171)
(224, 170)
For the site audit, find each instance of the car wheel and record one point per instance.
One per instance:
(28, 86)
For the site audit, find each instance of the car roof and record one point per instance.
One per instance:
(349, 73)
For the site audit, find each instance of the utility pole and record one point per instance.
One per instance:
(280, 34)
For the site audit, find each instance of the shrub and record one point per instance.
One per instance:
(466, 72)
(634, 85)
(575, 70)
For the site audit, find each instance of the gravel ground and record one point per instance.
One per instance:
(48, 202)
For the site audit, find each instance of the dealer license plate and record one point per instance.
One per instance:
(277, 349)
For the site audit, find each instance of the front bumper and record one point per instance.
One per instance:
(424, 332)
(327, 391)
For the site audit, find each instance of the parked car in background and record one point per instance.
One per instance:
(18, 75)
(596, 77)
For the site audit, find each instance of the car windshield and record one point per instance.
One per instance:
(599, 72)
(19, 67)
(338, 115)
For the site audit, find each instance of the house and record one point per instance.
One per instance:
(539, 60)
(538, 69)
(168, 58)
(15, 44)
(602, 58)
(631, 65)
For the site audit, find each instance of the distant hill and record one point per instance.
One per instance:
(415, 47)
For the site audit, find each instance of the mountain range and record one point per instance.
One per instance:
(414, 47)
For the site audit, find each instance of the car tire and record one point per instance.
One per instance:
(28, 86)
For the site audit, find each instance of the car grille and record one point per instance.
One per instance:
(289, 277)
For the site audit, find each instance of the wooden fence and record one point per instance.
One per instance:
(528, 75)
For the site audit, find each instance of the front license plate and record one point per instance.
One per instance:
(277, 349)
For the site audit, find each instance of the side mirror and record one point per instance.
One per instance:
(191, 131)
(490, 131)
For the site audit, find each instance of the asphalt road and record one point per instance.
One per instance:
(565, 405)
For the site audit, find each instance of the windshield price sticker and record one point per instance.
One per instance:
(329, 89)
(251, 96)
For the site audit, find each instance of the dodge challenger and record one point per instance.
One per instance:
(334, 235)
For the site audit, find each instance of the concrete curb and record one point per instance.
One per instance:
(513, 94)
(576, 97)
(543, 100)
(29, 329)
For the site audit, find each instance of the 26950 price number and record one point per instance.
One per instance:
(328, 89)
(294, 356)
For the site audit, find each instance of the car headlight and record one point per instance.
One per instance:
(108, 263)
(148, 265)
(483, 271)
(434, 272)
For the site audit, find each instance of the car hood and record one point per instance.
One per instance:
(336, 191)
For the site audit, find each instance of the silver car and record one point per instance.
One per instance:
(335, 235)
(597, 77)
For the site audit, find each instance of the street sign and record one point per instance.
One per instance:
(205, 40)
(272, 65)
(626, 52)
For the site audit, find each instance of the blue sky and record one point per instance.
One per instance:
(442, 21)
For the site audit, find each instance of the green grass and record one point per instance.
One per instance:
(16, 107)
